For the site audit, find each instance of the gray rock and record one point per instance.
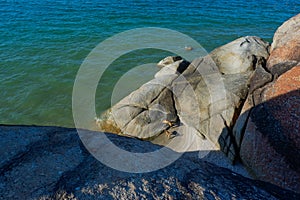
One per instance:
(141, 113)
(53, 164)
(239, 56)
(206, 95)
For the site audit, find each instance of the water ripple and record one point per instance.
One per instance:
(43, 43)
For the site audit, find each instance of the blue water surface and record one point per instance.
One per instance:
(43, 43)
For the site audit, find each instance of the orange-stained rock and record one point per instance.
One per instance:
(288, 29)
(289, 52)
(288, 82)
(271, 144)
(285, 49)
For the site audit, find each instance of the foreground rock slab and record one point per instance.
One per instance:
(51, 163)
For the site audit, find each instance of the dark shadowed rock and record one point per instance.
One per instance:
(51, 163)
(168, 60)
(271, 145)
(173, 68)
(267, 131)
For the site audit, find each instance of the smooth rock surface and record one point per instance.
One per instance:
(205, 95)
(141, 113)
(240, 55)
(52, 163)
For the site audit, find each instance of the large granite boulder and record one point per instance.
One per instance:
(268, 130)
(285, 49)
(206, 95)
(271, 142)
(51, 163)
(211, 91)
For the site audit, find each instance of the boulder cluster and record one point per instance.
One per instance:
(244, 97)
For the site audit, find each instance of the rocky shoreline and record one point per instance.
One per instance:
(242, 99)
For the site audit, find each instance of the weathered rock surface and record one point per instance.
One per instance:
(267, 131)
(271, 147)
(285, 49)
(240, 55)
(201, 95)
(288, 31)
(51, 163)
(209, 98)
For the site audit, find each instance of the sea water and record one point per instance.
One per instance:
(43, 44)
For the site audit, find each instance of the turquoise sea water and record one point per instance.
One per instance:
(43, 43)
